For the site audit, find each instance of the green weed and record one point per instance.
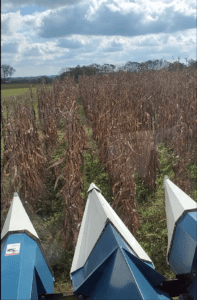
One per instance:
(192, 168)
(152, 232)
(95, 173)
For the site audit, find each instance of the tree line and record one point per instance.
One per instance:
(77, 72)
(7, 71)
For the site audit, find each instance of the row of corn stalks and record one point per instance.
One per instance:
(129, 114)
(29, 146)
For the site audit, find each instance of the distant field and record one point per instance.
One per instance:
(7, 86)
(21, 93)
(14, 92)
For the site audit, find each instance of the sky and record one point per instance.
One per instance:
(42, 37)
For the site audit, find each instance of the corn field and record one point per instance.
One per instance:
(129, 113)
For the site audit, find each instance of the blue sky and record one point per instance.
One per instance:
(42, 37)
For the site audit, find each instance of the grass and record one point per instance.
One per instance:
(21, 94)
(14, 92)
(192, 168)
(152, 233)
(94, 171)
(21, 98)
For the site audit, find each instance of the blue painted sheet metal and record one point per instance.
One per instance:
(101, 252)
(184, 244)
(148, 272)
(106, 244)
(183, 254)
(37, 286)
(146, 279)
(117, 282)
(25, 273)
(18, 221)
(110, 273)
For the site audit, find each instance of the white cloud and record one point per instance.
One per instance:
(99, 31)
(13, 4)
(16, 26)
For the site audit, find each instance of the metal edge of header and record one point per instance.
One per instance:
(108, 221)
(135, 253)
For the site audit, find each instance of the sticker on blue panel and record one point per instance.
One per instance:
(12, 249)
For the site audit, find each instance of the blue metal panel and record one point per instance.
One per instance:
(192, 289)
(19, 275)
(11, 268)
(148, 272)
(121, 242)
(112, 271)
(44, 272)
(117, 282)
(103, 248)
(184, 244)
(37, 286)
(107, 283)
(77, 278)
(147, 290)
(183, 252)
(90, 284)
(107, 243)
(27, 268)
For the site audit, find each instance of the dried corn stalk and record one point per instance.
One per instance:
(72, 160)
(129, 114)
(23, 159)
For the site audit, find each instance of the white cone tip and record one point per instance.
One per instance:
(92, 187)
(17, 219)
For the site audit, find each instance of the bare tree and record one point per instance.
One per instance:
(7, 71)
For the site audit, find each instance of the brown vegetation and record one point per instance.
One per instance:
(23, 160)
(129, 114)
(66, 96)
(27, 156)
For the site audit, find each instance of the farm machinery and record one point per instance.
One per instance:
(108, 263)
